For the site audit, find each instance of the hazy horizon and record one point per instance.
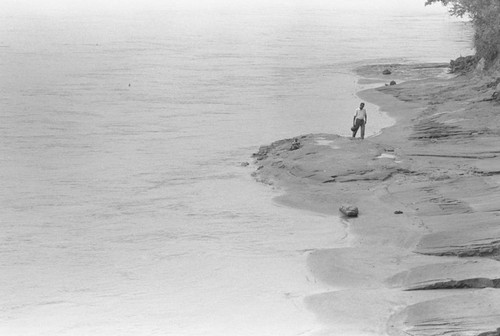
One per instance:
(61, 7)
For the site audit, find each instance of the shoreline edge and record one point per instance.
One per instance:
(424, 252)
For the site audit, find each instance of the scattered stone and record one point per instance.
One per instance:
(349, 210)
(262, 153)
(392, 83)
(398, 212)
(463, 64)
(386, 72)
(244, 164)
(295, 144)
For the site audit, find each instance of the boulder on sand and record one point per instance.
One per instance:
(349, 210)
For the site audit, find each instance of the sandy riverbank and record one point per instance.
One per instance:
(434, 268)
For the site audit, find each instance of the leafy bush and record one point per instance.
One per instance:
(485, 16)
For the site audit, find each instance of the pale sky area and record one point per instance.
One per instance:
(106, 6)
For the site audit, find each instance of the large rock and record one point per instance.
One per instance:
(349, 210)
(465, 64)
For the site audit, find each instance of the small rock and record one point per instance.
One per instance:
(349, 210)
(295, 144)
(244, 164)
(398, 212)
(392, 83)
(386, 72)
(262, 153)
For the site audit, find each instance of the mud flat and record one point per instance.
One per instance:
(424, 252)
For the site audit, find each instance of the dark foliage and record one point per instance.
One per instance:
(485, 16)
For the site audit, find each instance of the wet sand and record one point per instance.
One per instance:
(423, 254)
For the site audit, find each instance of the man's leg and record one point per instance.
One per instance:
(356, 127)
(363, 129)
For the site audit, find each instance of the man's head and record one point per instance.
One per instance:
(362, 105)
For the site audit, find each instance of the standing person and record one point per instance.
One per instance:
(360, 119)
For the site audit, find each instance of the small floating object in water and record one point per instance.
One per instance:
(398, 212)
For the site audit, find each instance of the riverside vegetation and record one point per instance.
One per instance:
(485, 16)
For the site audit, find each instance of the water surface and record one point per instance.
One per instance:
(124, 209)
